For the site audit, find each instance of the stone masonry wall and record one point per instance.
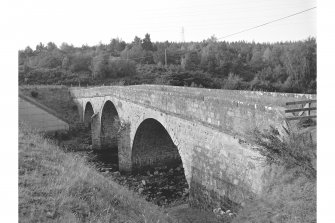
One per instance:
(220, 167)
(234, 112)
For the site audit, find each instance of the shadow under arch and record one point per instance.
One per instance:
(153, 147)
(88, 112)
(109, 126)
(156, 157)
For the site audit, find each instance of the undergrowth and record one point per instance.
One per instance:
(290, 195)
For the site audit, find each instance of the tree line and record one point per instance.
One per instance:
(282, 66)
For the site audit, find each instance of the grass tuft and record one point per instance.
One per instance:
(290, 195)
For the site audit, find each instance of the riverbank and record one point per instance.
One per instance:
(55, 186)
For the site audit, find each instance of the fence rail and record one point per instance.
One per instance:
(304, 112)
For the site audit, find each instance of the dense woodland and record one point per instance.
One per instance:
(281, 67)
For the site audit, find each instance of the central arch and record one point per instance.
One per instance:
(153, 146)
(156, 159)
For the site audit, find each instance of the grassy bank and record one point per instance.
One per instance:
(55, 186)
(54, 97)
(290, 195)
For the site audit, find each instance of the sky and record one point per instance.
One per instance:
(91, 22)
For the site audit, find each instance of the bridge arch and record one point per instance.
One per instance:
(88, 112)
(109, 125)
(154, 145)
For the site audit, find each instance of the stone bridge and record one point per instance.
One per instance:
(206, 130)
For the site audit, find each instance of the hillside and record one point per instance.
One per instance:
(280, 67)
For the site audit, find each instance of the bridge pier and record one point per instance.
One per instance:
(124, 149)
(95, 131)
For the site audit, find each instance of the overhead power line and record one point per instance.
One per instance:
(267, 23)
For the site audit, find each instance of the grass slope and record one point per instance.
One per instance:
(55, 186)
(56, 98)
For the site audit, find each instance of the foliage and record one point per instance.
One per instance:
(34, 94)
(111, 67)
(50, 61)
(294, 151)
(121, 68)
(290, 194)
(80, 62)
(116, 46)
(282, 66)
(290, 197)
(191, 61)
(146, 43)
(232, 82)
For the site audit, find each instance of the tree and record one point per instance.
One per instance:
(67, 48)
(100, 65)
(233, 82)
(50, 61)
(40, 48)
(190, 61)
(80, 62)
(28, 51)
(51, 46)
(266, 54)
(116, 46)
(208, 59)
(146, 43)
(66, 63)
(137, 41)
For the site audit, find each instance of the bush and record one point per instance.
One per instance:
(121, 68)
(34, 94)
(80, 62)
(105, 67)
(198, 78)
(290, 194)
(50, 61)
(295, 150)
(233, 82)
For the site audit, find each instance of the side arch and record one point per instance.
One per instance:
(88, 112)
(109, 120)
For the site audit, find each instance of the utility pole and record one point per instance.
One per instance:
(165, 59)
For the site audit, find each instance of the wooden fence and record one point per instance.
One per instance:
(307, 110)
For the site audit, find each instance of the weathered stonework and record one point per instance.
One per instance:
(209, 129)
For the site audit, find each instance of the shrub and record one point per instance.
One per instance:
(295, 150)
(290, 194)
(121, 68)
(50, 61)
(233, 82)
(34, 94)
(196, 77)
(80, 62)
